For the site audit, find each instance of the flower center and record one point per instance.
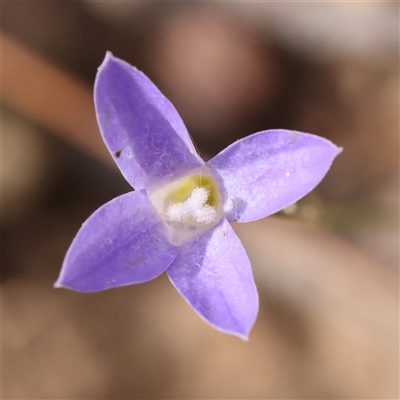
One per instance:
(188, 206)
(193, 209)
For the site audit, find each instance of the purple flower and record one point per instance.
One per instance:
(177, 219)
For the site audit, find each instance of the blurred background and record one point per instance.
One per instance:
(326, 268)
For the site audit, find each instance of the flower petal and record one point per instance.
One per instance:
(121, 243)
(265, 172)
(142, 130)
(213, 274)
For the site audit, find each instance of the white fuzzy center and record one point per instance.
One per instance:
(194, 208)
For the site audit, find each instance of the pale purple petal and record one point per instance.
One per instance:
(121, 243)
(213, 274)
(265, 172)
(142, 130)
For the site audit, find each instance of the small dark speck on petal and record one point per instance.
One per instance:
(294, 136)
(107, 118)
(118, 153)
(134, 263)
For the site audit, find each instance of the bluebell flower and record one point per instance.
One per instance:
(177, 220)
